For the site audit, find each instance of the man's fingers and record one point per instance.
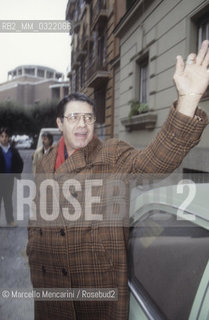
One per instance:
(179, 66)
(206, 60)
(202, 52)
(191, 59)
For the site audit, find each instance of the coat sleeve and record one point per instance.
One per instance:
(165, 153)
(36, 158)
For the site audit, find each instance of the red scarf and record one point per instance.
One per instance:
(60, 154)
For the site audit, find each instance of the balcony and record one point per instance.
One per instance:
(100, 14)
(140, 122)
(97, 74)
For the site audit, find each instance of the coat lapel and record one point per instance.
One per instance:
(76, 162)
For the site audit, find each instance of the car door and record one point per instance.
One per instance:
(168, 266)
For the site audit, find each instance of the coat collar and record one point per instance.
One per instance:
(78, 160)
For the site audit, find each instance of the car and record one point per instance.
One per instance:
(23, 144)
(22, 141)
(56, 133)
(168, 254)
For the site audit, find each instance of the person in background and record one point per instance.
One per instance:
(11, 165)
(47, 141)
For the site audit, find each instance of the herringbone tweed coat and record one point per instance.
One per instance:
(93, 256)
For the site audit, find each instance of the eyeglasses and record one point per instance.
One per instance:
(74, 118)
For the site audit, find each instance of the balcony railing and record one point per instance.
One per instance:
(100, 13)
(96, 65)
(97, 73)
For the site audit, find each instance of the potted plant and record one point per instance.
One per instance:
(137, 108)
(139, 117)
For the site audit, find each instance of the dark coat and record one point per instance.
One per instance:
(17, 162)
(94, 256)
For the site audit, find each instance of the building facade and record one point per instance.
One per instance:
(94, 49)
(29, 85)
(151, 34)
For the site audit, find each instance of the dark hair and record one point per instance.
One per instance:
(5, 130)
(49, 136)
(76, 96)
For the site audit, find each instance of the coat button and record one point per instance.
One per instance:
(74, 194)
(41, 232)
(64, 271)
(62, 232)
(43, 269)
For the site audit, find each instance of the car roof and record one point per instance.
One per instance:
(51, 130)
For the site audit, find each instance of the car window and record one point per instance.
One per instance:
(167, 258)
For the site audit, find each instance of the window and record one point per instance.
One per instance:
(203, 31)
(203, 34)
(102, 49)
(40, 73)
(143, 80)
(49, 74)
(30, 71)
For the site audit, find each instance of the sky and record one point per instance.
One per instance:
(47, 49)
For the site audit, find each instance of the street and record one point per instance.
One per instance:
(14, 269)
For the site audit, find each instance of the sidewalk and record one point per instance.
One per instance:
(14, 269)
(14, 274)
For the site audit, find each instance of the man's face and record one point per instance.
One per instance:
(46, 142)
(79, 134)
(4, 139)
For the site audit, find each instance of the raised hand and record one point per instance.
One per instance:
(192, 79)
